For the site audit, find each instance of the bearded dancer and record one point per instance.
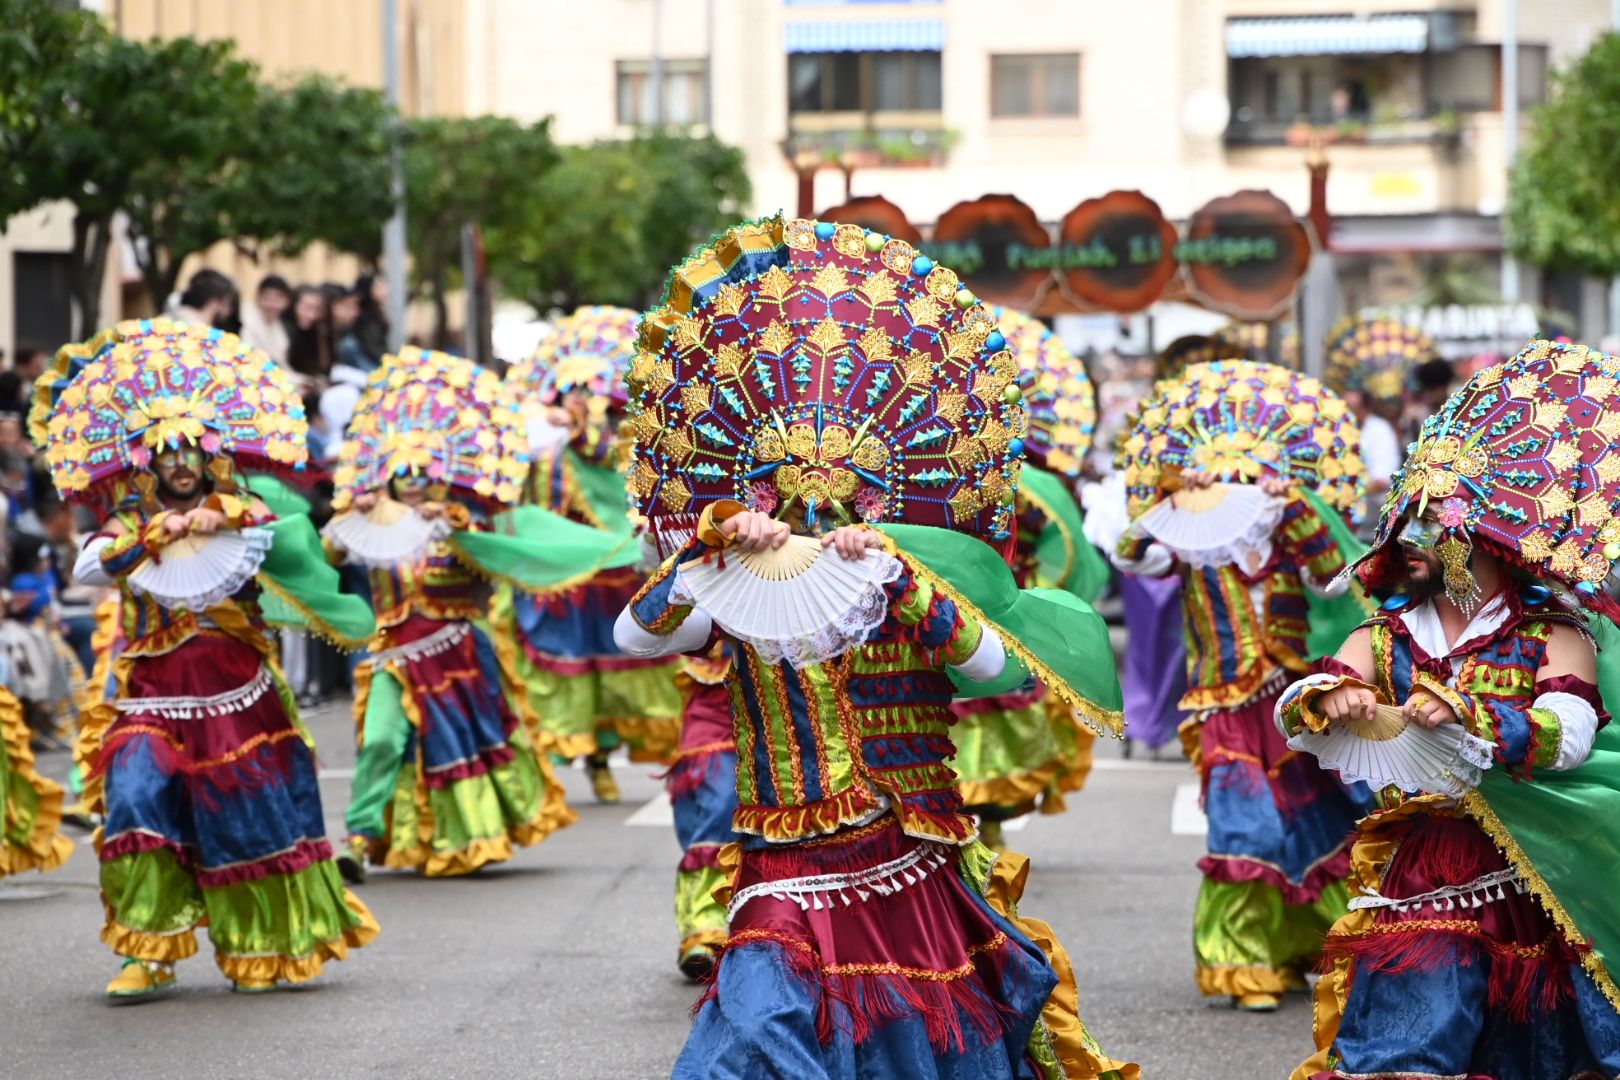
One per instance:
(1479, 942)
(452, 769)
(590, 696)
(1246, 554)
(787, 362)
(213, 815)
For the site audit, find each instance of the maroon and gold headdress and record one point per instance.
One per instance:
(828, 366)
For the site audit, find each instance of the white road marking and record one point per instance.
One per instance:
(336, 774)
(1186, 818)
(655, 811)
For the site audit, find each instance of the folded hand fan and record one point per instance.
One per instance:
(1384, 749)
(388, 534)
(799, 602)
(1213, 523)
(197, 572)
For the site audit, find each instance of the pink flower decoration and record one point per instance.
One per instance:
(140, 457)
(435, 471)
(869, 504)
(1453, 513)
(762, 497)
(210, 442)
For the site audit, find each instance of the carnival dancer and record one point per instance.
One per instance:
(1480, 940)
(803, 383)
(1023, 750)
(589, 695)
(702, 788)
(1235, 471)
(213, 815)
(452, 768)
(1370, 362)
(30, 805)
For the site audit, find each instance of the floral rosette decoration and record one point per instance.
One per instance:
(589, 351)
(105, 409)
(1053, 383)
(1524, 459)
(829, 367)
(1375, 355)
(429, 414)
(1240, 420)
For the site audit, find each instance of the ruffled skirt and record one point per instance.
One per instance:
(875, 954)
(214, 817)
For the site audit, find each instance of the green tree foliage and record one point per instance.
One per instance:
(1563, 204)
(483, 171)
(319, 169)
(613, 217)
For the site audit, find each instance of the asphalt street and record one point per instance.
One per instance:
(560, 964)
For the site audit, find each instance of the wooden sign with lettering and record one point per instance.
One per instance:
(998, 246)
(1116, 253)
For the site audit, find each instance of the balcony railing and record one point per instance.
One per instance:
(1439, 126)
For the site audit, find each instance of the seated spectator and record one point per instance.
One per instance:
(210, 299)
(263, 322)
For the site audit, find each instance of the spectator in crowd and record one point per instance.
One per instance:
(263, 322)
(17, 382)
(210, 299)
(309, 336)
(371, 328)
(1431, 381)
(52, 521)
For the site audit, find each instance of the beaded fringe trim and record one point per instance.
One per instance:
(440, 641)
(1475, 894)
(884, 879)
(186, 708)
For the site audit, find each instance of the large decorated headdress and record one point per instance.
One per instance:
(1239, 421)
(1062, 403)
(1374, 355)
(1524, 459)
(826, 365)
(437, 416)
(105, 409)
(589, 351)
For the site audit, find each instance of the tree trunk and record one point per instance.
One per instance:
(92, 237)
(158, 272)
(441, 308)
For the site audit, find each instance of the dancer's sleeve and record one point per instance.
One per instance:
(1313, 548)
(108, 557)
(1296, 709)
(934, 621)
(658, 622)
(1142, 556)
(1553, 730)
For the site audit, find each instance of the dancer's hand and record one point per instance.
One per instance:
(1347, 703)
(175, 525)
(1275, 486)
(752, 530)
(201, 521)
(1192, 481)
(852, 541)
(430, 511)
(1426, 710)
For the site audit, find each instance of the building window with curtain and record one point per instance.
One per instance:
(864, 82)
(684, 92)
(1045, 85)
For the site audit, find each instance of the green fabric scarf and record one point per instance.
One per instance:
(301, 589)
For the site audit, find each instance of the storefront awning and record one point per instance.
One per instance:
(1326, 35)
(878, 35)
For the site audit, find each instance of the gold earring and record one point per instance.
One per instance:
(1461, 588)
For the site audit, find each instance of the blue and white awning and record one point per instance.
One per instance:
(1327, 35)
(876, 35)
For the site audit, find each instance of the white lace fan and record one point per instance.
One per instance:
(388, 534)
(197, 572)
(1217, 518)
(1385, 750)
(798, 602)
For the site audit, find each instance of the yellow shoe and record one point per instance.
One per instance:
(253, 986)
(351, 860)
(140, 978)
(1257, 1002)
(603, 784)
